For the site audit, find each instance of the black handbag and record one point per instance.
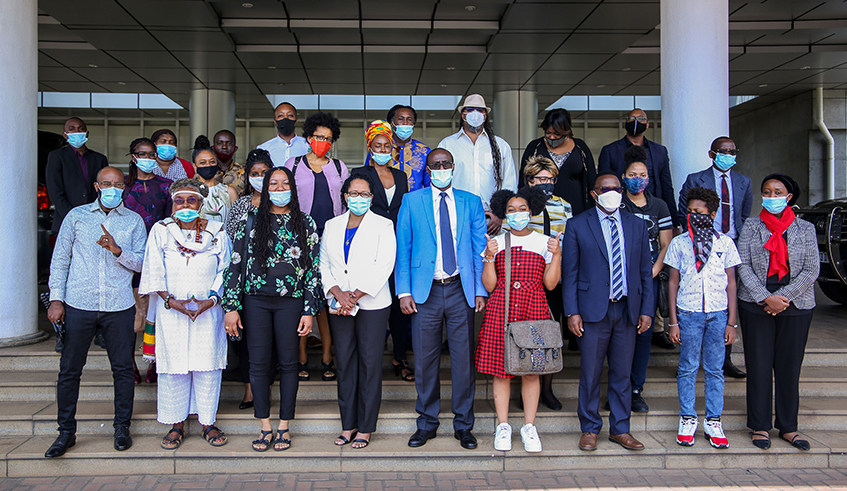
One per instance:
(663, 295)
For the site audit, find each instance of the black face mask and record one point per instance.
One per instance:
(285, 126)
(547, 187)
(208, 172)
(635, 128)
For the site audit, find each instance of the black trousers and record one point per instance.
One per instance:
(359, 342)
(398, 322)
(270, 323)
(117, 329)
(773, 353)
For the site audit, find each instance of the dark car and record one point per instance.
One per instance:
(830, 221)
(47, 142)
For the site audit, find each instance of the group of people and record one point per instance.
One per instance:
(292, 244)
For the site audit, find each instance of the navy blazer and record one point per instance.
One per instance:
(658, 168)
(585, 268)
(66, 186)
(379, 203)
(742, 194)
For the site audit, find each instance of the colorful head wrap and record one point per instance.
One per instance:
(377, 128)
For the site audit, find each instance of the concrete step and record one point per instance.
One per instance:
(317, 453)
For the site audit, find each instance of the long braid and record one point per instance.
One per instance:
(263, 239)
(496, 158)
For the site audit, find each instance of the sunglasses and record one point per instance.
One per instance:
(606, 189)
(191, 200)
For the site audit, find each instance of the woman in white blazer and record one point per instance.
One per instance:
(357, 257)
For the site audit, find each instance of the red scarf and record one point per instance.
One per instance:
(776, 244)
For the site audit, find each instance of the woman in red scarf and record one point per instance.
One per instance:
(776, 297)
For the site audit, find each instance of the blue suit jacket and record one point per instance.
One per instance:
(585, 268)
(742, 194)
(417, 246)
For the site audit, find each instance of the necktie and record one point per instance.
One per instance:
(724, 205)
(448, 255)
(617, 260)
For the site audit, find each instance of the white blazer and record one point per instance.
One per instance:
(371, 259)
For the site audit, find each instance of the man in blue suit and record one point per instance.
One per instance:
(736, 192)
(606, 309)
(438, 273)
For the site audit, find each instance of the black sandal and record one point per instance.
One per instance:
(362, 440)
(763, 443)
(345, 440)
(796, 442)
(403, 370)
(279, 439)
(176, 441)
(264, 440)
(304, 368)
(329, 368)
(214, 441)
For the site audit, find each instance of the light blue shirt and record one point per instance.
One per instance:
(605, 225)
(732, 233)
(281, 150)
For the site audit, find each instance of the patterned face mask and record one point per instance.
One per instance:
(701, 230)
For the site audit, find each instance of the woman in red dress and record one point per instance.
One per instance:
(536, 265)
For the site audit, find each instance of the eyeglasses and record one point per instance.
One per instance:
(357, 194)
(191, 200)
(322, 138)
(606, 189)
(441, 164)
(146, 155)
(640, 119)
(472, 109)
(727, 151)
(109, 184)
(544, 180)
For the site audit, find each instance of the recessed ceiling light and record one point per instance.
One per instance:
(169, 112)
(247, 5)
(470, 8)
(432, 114)
(763, 85)
(600, 86)
(805, 67)
(444, 85)
(271, 67)
(121, 83)
(450, 68)
(281, 84)
(626, 69)
(92, 65)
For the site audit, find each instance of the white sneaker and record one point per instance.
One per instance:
(687, 429)
(529, 435)
(715, 434)
(503, 437)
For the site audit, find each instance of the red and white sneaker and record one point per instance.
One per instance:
(715, 434)
(687, 429)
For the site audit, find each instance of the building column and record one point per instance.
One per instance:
(515, 117)
(19, 86)
(695, 81)
(211, 110)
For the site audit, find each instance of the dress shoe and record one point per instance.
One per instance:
(152, 376)
(60, 345)
(245, 405)
(551, 402)
(63, 442)
(626, 441)
(638, 404)
(733, 371)
(588, 442)
(136, 376)
(662, 340)
(122, 439)
(466, 438)
(420, 438)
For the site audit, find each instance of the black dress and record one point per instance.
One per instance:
(576, 174)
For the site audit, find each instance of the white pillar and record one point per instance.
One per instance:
(515, 117)
(210, 110)
(19, 86)
(695, 81)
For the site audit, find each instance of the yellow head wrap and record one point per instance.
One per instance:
(377, 128)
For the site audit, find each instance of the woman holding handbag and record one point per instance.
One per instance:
(535, 265)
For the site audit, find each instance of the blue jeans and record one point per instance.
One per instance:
(701, 331)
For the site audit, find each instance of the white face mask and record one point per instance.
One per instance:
(610, 201)
(475, 119)
(256, 182)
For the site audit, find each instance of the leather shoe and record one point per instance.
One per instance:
(663, 340)
(626, 441)
(638, 404)
(588, 442)
(466, 438)
(63, 442)
(122, 439)
(551, 402)
(420, 438)
(733, 371)
(245, 405)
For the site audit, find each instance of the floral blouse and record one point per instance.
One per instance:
(285, 275)
(150, 199)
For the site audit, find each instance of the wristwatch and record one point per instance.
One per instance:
(734, 326)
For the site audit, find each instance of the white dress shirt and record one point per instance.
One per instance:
(281, 150)
(605, 225)
(732, 233)
(474, 166)
(440, 274)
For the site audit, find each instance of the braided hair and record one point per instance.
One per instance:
(133, 169)
(256, 156)
(264, 240)
(496, 158)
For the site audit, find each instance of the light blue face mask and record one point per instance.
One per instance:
(441, 178)
(280, 198)
(186, 215)
(475, 119)
(146, 165)
(166, 152)
(775, 205)
(358, 205)
(724, 161)
(111, 197)
(256, 182)
(77, 140)
(404, 131)
(518, 220)
(381, 158)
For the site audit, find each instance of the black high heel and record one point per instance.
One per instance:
(398, 370)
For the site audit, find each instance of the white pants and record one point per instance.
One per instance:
(188, 393)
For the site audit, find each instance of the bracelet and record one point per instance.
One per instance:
(486, 260)
(215, 298)
(734, 326)
(168, 301)
(673, 325)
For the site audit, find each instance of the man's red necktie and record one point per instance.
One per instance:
(724, 205)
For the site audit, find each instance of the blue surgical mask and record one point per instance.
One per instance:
(441, 178)
(404, 131)
(257, 182)
(635, 185)
(111, 197)
(77, 140)
(475, 119)
(724, 161)
(518, 220)
(186, 215)
(358, 205)
(146, 165)
(166, 152)
(280, 198)
(381, 158)
(775, 205)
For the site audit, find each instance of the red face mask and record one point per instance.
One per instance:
(224, 157)
(320, 148)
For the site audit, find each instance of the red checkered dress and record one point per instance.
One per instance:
(529, 303)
